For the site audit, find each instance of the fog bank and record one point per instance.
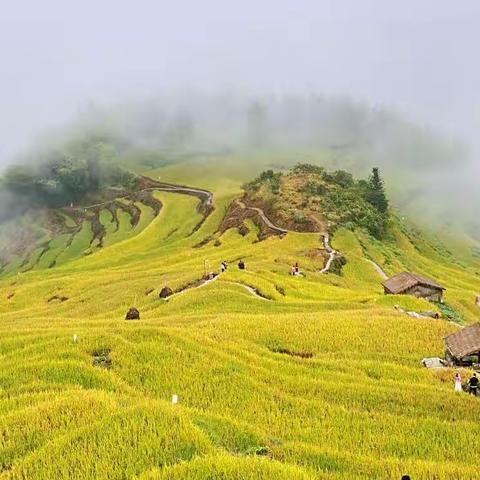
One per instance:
(418, 57)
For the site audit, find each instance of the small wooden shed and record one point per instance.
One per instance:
(463, 347)
(407, 283)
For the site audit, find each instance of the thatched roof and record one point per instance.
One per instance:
(465, 342)
(405, 280)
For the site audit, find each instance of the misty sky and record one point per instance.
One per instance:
(420, 56)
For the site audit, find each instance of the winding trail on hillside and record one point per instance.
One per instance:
(204, 283)
(265, 219)
(332, 254)
(205, 196)
(249, 289)
(378, 269)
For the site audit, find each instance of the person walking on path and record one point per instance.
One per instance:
(458, 382)
(241, 265)
(473, 385)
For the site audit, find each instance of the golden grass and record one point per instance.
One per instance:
(361, 407)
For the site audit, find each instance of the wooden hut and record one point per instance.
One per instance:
(463, 347)
(407, 283)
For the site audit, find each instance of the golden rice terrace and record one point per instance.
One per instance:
(276, 376)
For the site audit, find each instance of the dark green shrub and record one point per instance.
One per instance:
(315, 189)
(342, 178)
(308, 169)
(268, 177)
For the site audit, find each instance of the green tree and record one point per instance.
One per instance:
(67, 174)
(376, 192)
(343, 178)
(73, 177)
(20, 179)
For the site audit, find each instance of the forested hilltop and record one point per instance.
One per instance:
(309, 198)
(65, 175)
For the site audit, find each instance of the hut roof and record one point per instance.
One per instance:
(465, 342)
(405, 280)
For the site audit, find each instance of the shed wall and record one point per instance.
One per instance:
(429, 293)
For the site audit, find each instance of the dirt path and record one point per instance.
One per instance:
(378, 269)
(204, 283)
(332, 254)
(266, 220)
(249, 289)
(205, 196)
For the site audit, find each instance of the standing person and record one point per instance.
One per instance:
(297, 269)
(458, 382)
(292, 270)
(473, 385)
(223, 266)
(241, 265)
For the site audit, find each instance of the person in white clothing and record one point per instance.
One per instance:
(458, 382)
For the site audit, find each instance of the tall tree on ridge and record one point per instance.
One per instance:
(376, 192)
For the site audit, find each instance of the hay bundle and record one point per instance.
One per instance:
(165, 292)
(133, 314)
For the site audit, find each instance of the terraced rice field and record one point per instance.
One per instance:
(316, 377)
(76, 233)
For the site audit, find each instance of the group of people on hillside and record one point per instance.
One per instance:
(295, 270)
(224, 265)
(472, 384)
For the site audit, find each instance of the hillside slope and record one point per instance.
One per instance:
(277, 376)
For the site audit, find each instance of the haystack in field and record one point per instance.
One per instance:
(165, 292)
(132, 314)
